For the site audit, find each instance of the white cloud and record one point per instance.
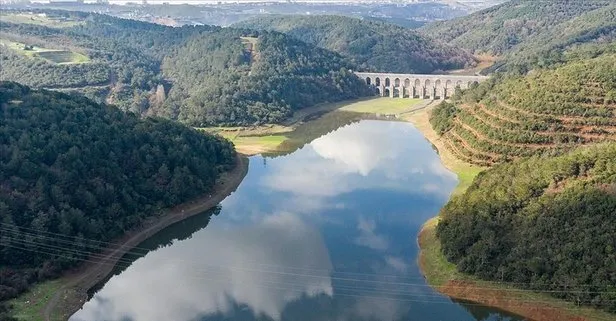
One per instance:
(367, 237)
(264, 267)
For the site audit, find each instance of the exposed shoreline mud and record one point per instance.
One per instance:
(71, 296)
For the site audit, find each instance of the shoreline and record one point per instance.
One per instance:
(444, 277)
(72, 293)
(440, 274)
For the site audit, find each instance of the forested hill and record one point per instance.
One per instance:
(234, 76)
(498, 29)
(199, 74)
(86, 171)
(546, 112)
(547, 224)
(372, 45)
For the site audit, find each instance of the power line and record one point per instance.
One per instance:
(131, 252)
(445, 299)
(312, 276)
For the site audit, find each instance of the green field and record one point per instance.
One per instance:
(39, 19)
(52, 55)
(383, 105)
(28, 306)
(267, 138)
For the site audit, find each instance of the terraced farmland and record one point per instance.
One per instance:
(547, 112)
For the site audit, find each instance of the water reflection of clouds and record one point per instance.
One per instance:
(217, 270)
(366, 187)
(340, 162)
(368, 237)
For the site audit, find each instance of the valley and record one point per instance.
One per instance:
(298, 166)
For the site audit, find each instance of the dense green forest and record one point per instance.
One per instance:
(371, 45)
(546, 224)
(546, 112)
(87, 172)
(529, 34)
(201, 75)
(246, 77)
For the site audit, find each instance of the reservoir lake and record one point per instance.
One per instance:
(326, 232)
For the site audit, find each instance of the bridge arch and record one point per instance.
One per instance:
(417, 90)
(427, 90)
(417, 85)
(447, 90)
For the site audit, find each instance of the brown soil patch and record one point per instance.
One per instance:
(471, 149)
(570, 122)
(483, 137)
(585, 133)
(461, 155)
(502, 299)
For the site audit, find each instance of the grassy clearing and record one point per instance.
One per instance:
(52, 55)
(63, 57)
(251, 145)
(28, 306)
(253, 140)
(39, 19)
(383, 105)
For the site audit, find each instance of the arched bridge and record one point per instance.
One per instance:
(417, 86)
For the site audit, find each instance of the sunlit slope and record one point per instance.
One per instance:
(498, 29)
(546, 112)
(372, 45)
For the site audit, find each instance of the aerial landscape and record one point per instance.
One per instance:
(308, 160)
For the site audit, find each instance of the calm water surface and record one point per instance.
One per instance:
(325, 233)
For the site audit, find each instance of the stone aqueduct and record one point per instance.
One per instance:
(417, 86)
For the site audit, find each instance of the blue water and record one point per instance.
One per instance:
(325, 233)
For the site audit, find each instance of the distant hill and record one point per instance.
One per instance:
(499, 29)
(201, 75)
(546, 112)
(120, 58)
(592, 31)
(371, 45)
